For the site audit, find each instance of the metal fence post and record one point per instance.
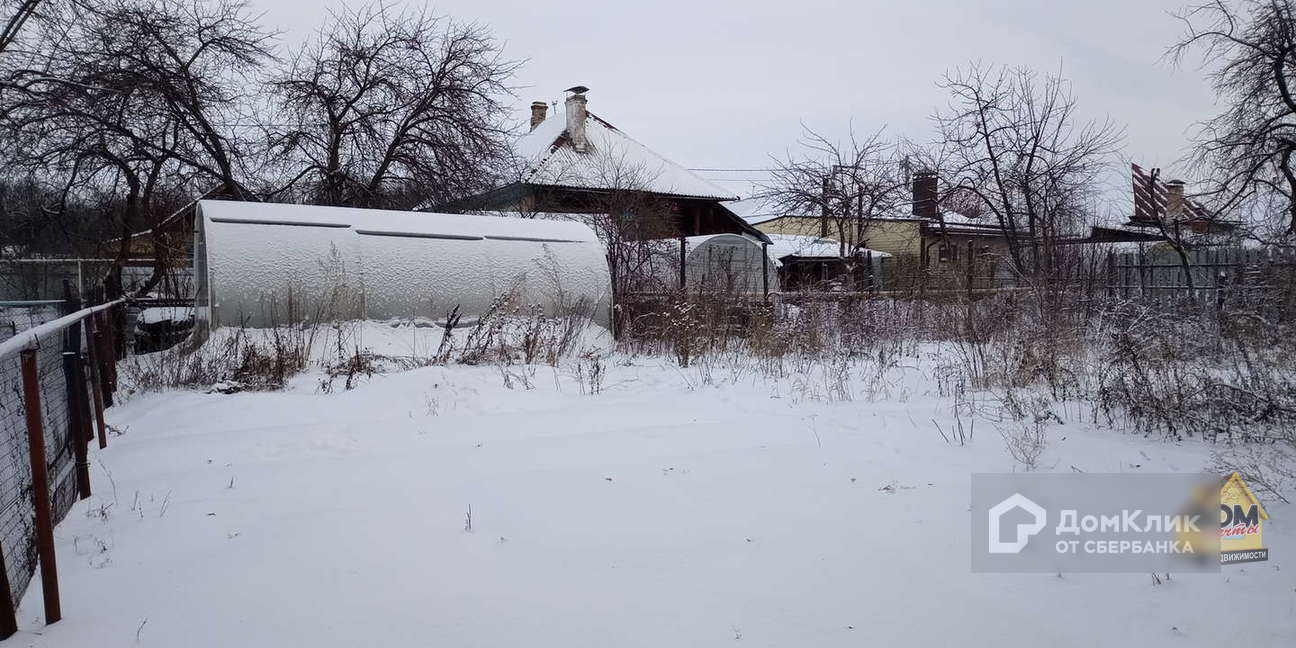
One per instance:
(971, 270)
(82, 396)
(683, 260)
(96, 384)
(76, 422)
(107, 359)
(77, 408)
(868, 265)
(40, 487)
(1111, 275)
(1142, 272)
(765, 261)
(8, 615)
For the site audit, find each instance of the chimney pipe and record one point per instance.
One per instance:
(539, 110)
(924, 195)
(576, 122)
(1174, 200)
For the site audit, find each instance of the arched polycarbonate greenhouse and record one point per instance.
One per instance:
(261, 264)
(730, 263)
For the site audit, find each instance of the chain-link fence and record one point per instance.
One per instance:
(60, 359)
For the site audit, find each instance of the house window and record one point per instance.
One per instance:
(948, 253)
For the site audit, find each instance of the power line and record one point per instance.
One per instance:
(733, 170)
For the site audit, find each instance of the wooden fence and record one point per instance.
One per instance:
(1213, 275)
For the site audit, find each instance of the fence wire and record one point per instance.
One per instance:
(17, 524)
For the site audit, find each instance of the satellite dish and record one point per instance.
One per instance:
(578, 89)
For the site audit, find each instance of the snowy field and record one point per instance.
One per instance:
(440, 507)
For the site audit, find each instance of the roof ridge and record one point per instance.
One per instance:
(544, 156)
(722, 190)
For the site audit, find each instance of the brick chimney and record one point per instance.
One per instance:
(576, 122)
(924, 195)
(1174, 200)
(538, 111)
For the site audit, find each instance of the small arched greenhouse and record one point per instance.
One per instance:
(729, 263)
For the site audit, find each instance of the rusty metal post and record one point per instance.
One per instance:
(82, 395)
(96, 385)
(77, 424)
(8, 615)
(108, 368)
(40, 487)
(78, 409)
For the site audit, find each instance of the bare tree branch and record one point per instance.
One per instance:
(390, 108)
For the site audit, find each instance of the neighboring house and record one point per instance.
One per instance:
(810, 262)
(578, 163)
(928, 241)
(1162, 205)
(925, 238)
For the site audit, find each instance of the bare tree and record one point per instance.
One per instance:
(125, 97)
(16, 15)
(1015, 141)
(392, 108)
(1248, 48)
(637, 227)
(189, 64)
(1158, 212)
(847, 185)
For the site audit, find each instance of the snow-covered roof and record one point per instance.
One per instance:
(694, 241)
(761, 210)
(786, 245)
(955, 218)
(396, 223)
(615, 161)
(580, 217)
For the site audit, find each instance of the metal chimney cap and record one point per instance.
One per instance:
(577, 89)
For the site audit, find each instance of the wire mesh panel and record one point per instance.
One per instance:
(17, 529)
(59, 432)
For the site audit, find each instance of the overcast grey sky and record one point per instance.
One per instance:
(727, 83)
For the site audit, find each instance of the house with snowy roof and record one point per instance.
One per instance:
(924, 236)
(579, 163)
(929, 238)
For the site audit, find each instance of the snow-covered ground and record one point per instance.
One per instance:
(661, 512)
